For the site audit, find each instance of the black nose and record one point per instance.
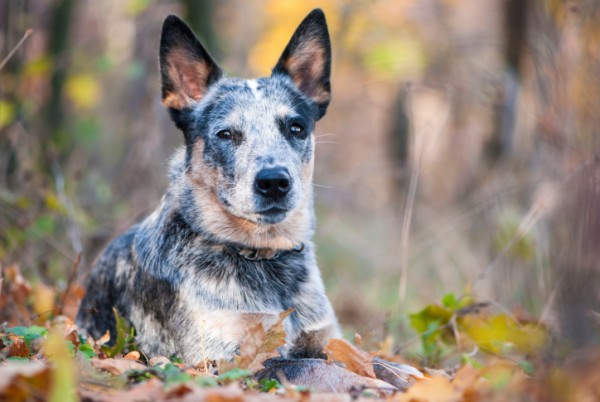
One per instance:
(273, 183)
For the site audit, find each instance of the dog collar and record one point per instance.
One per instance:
(256, 254)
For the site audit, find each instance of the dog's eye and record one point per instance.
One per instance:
(296, 129)
(225, 135)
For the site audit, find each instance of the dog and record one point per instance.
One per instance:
(232, 235)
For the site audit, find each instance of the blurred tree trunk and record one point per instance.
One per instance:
(199, 14)
(57, 143)
(515, 25)
(399, 139)
(568, 73)
(11, 32)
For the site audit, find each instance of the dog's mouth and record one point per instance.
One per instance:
(272, 211)
(271, 215)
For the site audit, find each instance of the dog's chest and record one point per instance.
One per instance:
(228, 280)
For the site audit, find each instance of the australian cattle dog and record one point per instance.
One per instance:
(232, 235)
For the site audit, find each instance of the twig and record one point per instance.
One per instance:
(17, 46)
(408, 212)
(526, 225)
(70, 281)
(412, 190)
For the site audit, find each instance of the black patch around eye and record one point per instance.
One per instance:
(234, 136)
(294, 127)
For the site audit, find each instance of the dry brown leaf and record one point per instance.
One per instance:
(158, 360)
(466, 384)
(151, 390)
(437, 389)
(133, 355)
(15, 292)
(23, 381)
(103, 339)
(357, 340)
(259, 345)
(355, 360)
(116, 366)
(18, 348)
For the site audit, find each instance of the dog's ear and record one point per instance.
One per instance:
(307, 59)
(186, 68)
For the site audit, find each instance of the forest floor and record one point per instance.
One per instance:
(468, 353)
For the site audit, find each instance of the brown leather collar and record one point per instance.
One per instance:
(256, 254)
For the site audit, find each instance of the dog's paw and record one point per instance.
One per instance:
(400, 376)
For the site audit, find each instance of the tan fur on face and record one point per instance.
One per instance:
(219, 222)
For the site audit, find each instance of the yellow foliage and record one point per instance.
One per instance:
(43, 299)
(501, 332)
(7, 113)
(37, 67)
(83, 90)
(287, 13)
(64, 379)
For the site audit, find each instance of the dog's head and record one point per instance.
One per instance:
(250, 145)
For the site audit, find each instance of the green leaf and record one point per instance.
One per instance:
(431, 314)
(527, 367)
(124, 336)
(267, 384)
(42, 226)
(466, 359)
(176, 359)
(170, 373)
(206, 381)
(449, 301)
(235, 374)
(18, 359)
(28, 333)
(87, 350)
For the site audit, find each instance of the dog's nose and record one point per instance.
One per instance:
(273, 183)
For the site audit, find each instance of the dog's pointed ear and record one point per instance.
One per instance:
(186, 68)
(307, 59)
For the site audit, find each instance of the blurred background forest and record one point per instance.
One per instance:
(460, 152)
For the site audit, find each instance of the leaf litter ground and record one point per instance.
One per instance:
(467, 354)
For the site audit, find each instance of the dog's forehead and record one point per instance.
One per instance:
(241, 101)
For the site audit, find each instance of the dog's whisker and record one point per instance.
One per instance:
(325, 135)
(322, 185)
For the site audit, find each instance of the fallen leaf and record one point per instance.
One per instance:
(357, 340)
(158, 361)
(18, 348)
(103, 339)
(24, 380)
(133, 355)
(259, 345)
(354, 359)
(499, 332)
(116, 366)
